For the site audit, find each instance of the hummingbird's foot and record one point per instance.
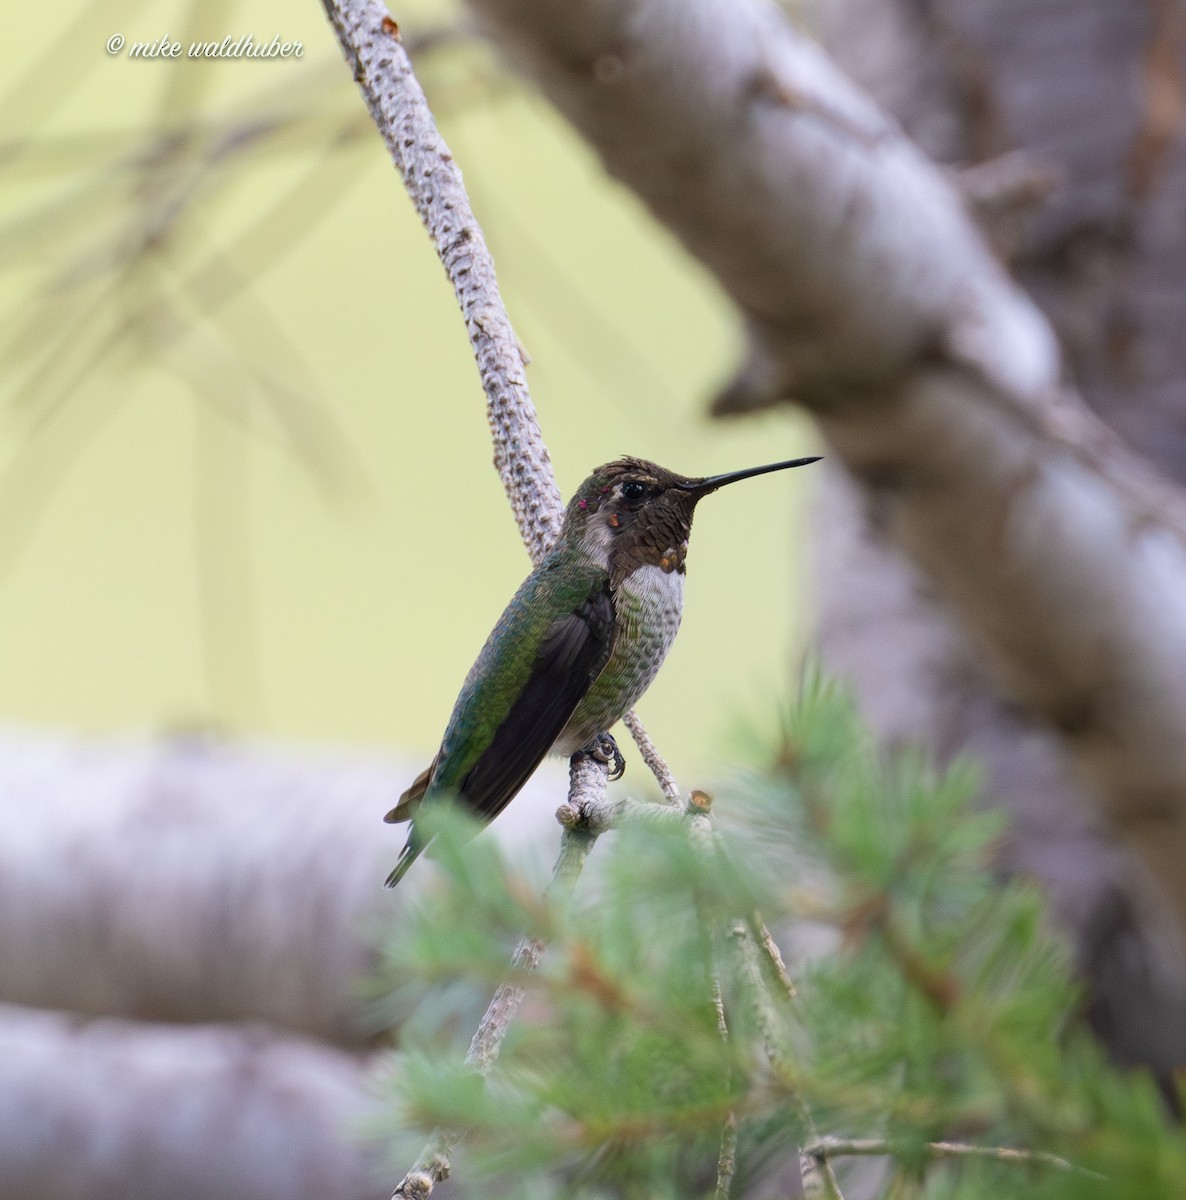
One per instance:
(604, 749)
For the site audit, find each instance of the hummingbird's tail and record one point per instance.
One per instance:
(407, 856)
(405, 810)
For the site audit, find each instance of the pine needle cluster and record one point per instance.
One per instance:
(931, 1047)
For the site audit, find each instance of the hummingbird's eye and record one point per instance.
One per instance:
(633, 490)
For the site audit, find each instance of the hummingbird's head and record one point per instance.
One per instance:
(637, 513)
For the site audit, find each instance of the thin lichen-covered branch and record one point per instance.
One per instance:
(583, 820)
(370, 40)
(834, 1147)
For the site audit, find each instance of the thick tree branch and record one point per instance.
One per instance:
(118, 1110)
(191, 879)
(976, 81)
(870, 295)
(851, 256)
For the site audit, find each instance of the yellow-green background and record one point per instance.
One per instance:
(187, 567)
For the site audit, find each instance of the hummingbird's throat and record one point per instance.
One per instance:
(673, 559)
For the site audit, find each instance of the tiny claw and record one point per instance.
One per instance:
(604, 749)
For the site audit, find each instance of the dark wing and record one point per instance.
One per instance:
(573, 652)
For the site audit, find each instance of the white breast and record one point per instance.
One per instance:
(648, 606)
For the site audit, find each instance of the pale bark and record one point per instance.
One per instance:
(1085, 98)
(195, 880)
(116, 1110)
(869, 295)
(371, 41)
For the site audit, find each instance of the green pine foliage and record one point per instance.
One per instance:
(933, 1001)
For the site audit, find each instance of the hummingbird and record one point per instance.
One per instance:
(579, 643)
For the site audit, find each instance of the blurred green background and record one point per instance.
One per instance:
(246, 477)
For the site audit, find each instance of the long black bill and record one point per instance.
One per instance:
(702, 487)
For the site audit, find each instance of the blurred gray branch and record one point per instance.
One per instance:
(1051, 554)
(189, 879)
(147, 884)
(1089, 96)
(118, 1110)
